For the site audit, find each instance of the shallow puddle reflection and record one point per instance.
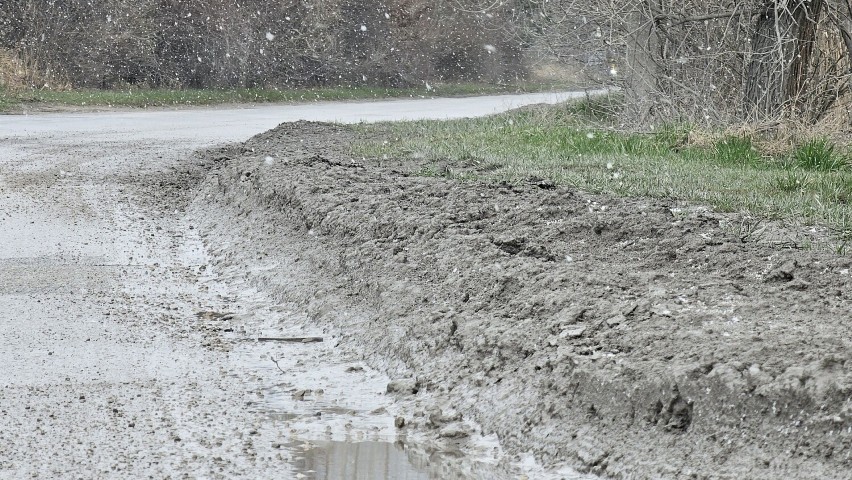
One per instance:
(356, 461)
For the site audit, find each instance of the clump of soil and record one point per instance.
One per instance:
(629, 337)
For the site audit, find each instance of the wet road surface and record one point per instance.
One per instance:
(108, 299)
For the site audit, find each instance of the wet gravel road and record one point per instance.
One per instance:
(107, 301)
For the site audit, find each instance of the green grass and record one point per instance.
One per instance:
(575, 145)
(142, 97)
(737, 150)
(5, 99)
(820, 155)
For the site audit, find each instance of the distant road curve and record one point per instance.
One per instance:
(203, 126)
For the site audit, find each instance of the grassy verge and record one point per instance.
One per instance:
(6, 99)
(164, 97)
(574, 145)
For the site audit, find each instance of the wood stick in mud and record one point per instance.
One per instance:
(291, 339)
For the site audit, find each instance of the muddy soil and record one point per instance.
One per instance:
(632, 338)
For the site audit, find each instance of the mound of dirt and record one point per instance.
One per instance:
(629, 337)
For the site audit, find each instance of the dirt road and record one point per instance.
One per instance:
(469, 330)
(129, 352)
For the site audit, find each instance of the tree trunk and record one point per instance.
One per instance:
(642, 71)
(782, 48)
(843, 20)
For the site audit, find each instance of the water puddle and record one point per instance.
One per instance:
(367, 460)
(330, 413)
(339, 422)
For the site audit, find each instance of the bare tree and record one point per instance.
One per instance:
(708, 61)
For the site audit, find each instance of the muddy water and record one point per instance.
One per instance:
(360, 460)
(338, 423)
(110, 371)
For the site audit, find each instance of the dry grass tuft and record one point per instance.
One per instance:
(12, 72)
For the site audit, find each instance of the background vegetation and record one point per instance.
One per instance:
(709, 63)
(255, 43)
(712, 62)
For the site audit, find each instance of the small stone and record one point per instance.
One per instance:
(399, 422)
(438, 417)
(782, 273)
(798, 284)
(616, 320)
(454, 430)
(405, 386)
(300, 394)
(575, 332)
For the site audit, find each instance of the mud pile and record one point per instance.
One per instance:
(628, 337)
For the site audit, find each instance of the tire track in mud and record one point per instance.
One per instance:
(631, 337)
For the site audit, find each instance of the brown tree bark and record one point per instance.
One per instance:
(842, 11)
(782, 48)
(640, 83)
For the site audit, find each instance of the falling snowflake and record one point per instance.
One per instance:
(363, 28)
(490, 48)
(270, 36)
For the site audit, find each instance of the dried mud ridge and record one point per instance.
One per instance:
(632, 338)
